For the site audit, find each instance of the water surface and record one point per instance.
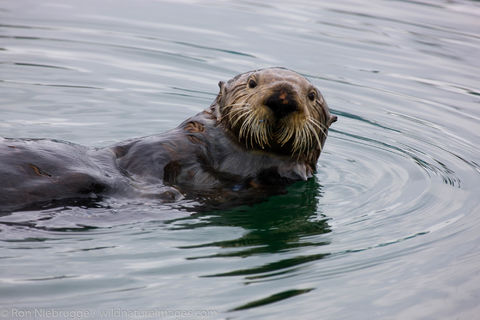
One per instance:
(389, 227)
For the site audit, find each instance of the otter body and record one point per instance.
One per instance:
(250, 138)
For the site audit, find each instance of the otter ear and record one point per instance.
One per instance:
(221, 85)
(332, 120)
(218, 103)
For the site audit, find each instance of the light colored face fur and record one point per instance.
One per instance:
(276, 110)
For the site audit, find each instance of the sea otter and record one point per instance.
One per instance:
(266, 128)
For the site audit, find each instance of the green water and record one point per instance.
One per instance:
(388, 228)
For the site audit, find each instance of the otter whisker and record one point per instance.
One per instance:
(315, 133)
(285, 135)
(312, 134)
(253, 127)
(300, 140)
(256, 130)
(238, 118)
(260, 135)
(232, 111)
(246, 128)
(306, 141)
(265, 133)
(249, 126)
(307, 145)
(237, 115)
(303, 134)
(243, 108)
(319, 125)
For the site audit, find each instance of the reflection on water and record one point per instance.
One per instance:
(271, 299)
(283, 224)
(277, 225)
(387, 228)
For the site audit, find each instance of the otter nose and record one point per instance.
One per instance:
(282, 102)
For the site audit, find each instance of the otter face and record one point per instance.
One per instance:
(276, 110)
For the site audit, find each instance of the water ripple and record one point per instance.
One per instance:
(387, 227)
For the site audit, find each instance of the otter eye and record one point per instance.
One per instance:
(252, 83)
(311, 95)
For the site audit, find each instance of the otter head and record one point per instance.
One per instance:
(275, 110)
